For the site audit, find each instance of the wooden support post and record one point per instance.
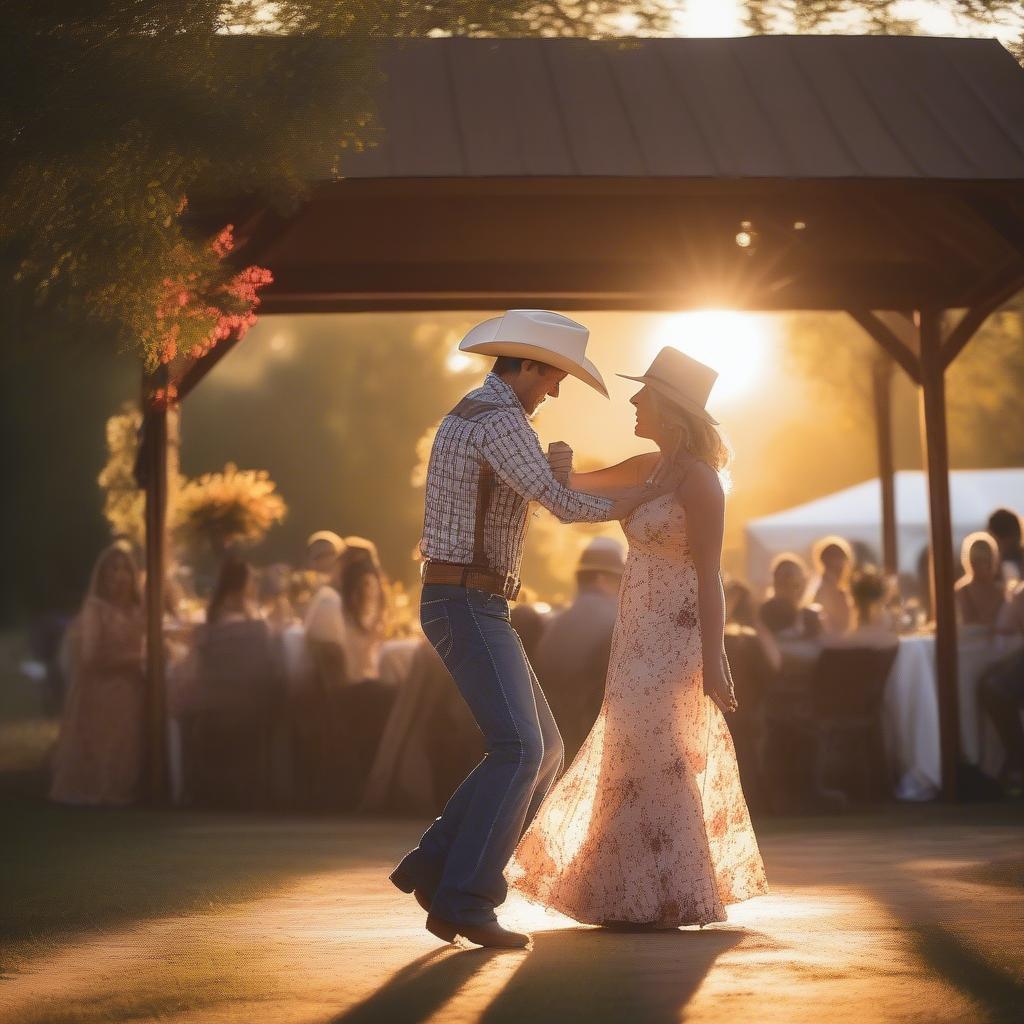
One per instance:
(882, 373)
(935, 444)
(153, 471)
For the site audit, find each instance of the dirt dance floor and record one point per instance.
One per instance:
(911, 914)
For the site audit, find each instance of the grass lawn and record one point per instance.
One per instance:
(66, 870)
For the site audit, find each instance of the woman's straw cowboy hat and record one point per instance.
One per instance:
(682, 380)
(540, 335)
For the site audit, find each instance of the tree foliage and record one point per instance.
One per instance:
(115, 112)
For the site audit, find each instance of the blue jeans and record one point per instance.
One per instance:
(462, 856)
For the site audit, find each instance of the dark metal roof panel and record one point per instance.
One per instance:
(753, 107)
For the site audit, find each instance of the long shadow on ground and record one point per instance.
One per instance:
(571, 974)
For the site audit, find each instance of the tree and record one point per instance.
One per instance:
(986, 420)
(115, 115)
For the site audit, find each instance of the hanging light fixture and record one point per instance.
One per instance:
(746, 237)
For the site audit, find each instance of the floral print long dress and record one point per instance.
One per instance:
(649, 824)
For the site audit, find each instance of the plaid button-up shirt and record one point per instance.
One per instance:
(501, 437)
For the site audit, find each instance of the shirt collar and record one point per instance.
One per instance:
(501, 391)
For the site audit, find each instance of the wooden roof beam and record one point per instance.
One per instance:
(888, 338)
(1002, 288)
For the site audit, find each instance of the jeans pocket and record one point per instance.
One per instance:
(438, 631)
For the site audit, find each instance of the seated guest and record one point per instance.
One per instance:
(979, 593)
(784, 613)
(1004, 525)
(1001, 693)
(324, 627)
(364, 608)
(238, 684)
(873, 621)
(275, 600)
(342, 713)
(741, 615)
(323, 549)
(754, 660)
(834, 558)
(572, 655)
(1010, 623)
(99, 752)
(323, 764)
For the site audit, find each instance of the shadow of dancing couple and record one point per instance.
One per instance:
(586, 974)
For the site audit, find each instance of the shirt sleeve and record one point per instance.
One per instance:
(511, 448)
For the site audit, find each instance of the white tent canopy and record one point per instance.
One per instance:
(856, 514)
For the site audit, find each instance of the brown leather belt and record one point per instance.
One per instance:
(454, 575)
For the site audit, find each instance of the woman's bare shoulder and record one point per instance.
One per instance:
(700, 485)
(646, 462)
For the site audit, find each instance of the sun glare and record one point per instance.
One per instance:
(709, 18)
(458, 362)
(731, 343)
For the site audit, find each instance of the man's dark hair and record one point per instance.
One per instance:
(513, 364)
(868, 586)
(507, 364)
(1004, 524)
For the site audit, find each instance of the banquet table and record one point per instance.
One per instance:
(910, 709)
(911, 712)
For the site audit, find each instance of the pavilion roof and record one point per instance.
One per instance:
(870, 107)
(870, 172)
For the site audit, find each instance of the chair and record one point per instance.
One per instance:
(846, 709)
(227, 725)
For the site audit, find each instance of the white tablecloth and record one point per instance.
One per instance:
(910, 717)
(395, 656)
(911, 714)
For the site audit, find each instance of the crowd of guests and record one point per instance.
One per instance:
(835, 605)
(253, 725)
(277, 695)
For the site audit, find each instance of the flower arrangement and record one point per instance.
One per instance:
(235, 507)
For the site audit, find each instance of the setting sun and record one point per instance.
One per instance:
(730, 342)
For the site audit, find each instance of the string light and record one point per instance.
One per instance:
(746, 237)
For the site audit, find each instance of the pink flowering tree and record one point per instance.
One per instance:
(200, 307)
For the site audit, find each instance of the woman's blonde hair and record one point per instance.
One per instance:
(695, 435)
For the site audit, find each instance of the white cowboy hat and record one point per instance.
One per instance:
(682, 380)
(540, 335)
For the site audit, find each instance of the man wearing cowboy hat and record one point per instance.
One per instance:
(486, 466)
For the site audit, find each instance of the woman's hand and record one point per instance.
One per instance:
(718, 684)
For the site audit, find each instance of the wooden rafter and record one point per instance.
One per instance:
(199, 368)
(1002, 289)
(889, 340)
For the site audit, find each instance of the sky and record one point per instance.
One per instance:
(725, 18)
